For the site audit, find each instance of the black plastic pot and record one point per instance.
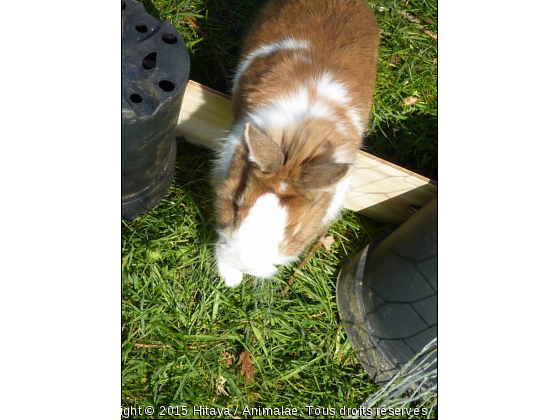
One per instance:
(387, 295)
(155, 72)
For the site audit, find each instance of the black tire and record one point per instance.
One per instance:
(387, 295)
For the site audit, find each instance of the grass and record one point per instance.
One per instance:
(183, 332)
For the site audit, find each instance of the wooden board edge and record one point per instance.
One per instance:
(209, 90)
(397, 167)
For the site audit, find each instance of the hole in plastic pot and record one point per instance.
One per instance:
(149, 62)
(123, 5)
(141, 28)
(169, 39)
(135, 98)
(166, 85)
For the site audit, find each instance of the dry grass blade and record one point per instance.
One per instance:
(227, 358)
(414, 19)
(220, 389)
(150, 346)
(327, 242)
(302, 264)
(411, 100)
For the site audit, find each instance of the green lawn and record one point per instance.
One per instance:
(183, 332)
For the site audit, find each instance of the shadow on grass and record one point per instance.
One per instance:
(225, 25)
(409, 141)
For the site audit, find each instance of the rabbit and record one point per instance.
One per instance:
(302, 96)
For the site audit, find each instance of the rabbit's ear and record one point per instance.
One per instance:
(319, 176)
(262, 149)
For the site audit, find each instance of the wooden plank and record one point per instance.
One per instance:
(205, 116)
(380, 190)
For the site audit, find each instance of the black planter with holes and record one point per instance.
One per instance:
(387, 295)
(155, 72)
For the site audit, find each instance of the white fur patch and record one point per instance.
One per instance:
(287, 43)
(337, 92)
(283, 186)
(356, 120)
(338, 200)
(231, 276)
(290, 110)
(254, 247)
(294, 108)
(341, 127)
(344, 155)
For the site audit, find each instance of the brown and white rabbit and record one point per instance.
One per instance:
(301, 97)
